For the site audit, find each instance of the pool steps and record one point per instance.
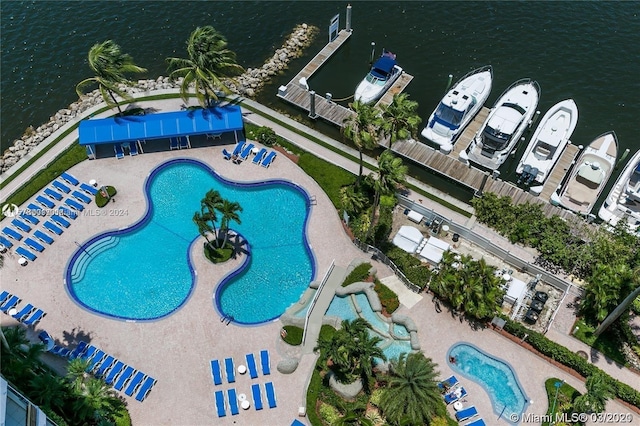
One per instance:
(81, 264)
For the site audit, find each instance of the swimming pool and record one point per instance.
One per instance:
(496, 377)
(144, 272)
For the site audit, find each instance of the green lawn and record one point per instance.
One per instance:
(566, 395)
(605, 343)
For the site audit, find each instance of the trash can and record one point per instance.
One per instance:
(455, 238)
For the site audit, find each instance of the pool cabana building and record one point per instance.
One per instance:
(105, 136)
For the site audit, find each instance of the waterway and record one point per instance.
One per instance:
(589, 51)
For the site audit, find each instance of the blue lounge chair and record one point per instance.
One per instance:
(74, 204)
(46, 340)
(268, 159)
(60, 186)
(30, 218)
(89, 353)
(53, 228)
(297, 423)
(265, 362)
(60, 351)
(226, 154)
(71, 214)
(4, 296)
(133, 148)
(78, 350)
(48, 204)
(124, 378)
(257, 396)
(60, 220)
(95, 360)
(69, 178)
(216, 374)
(145, 387)
(53, 194)
(477, 422)
(173, 143)
(238, 149)
(118, 150)
(35, 317)
(34, 244)
(455, 395)
(233, 401)
(5, 242)
(88, 189)
(26, 253)
(447, 384)
(259, 156)
(230, 370)
(102, 368)
(26, 310)
(135, 383)
(466, 413)
(11, 233)
(9, 304)
(21, 225)
(114, 372)
(251, 365)
(246, 151)
(271, 395)
(184, 142)
(220, 404)
(81, 197)
(36, 210)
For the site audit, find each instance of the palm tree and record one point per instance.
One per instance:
(352, 200)
(354, 414)
(209, 206)
(412, 391)
(362, 129)
(229, 211)
(110, 67)
(208, 62)
(599, 390)
(77, 373)
(47, 390)
(391, 173)
(96, 401)
(203, 226)
(400, 119)
(623, 306)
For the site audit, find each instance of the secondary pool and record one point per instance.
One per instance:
(144, 272)
(496, 377)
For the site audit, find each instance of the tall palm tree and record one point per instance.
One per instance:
(391, 173)
(400, 119)
(412, 391)
(599, 390)
(47, 390)
(96, 401)
(623, 306)
(209, 206)
(110, 66)
(229, 212)
(362, 128)
(203, 226)
(352, 200)
(208, 62)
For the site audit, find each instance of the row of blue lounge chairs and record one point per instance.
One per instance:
(453, 392)
(180, 142)
(241, 153)
(28, 315)
(57, 222)
(256, 393)
(131, 146)
(216, 371)
(114, 372)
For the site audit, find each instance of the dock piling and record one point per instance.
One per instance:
(312, 104)
(348, 19)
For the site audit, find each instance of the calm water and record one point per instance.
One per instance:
(589, 51)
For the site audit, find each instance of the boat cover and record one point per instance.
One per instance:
(383, 66)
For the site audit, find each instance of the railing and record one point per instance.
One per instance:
(315, 299)
(379, 255)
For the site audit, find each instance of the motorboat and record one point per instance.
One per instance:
(458, 107)
(384, 72)
(547, 144)
(505, 124)
(624, 198)
(588, 176)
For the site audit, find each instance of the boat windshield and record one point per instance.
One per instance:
(517, 107)
(495, 139)
(374, 80)
(449, 116)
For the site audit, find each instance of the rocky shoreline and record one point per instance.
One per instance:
(248, 84)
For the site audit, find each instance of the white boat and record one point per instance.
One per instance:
(547, 144)
(504, 126)
(589, 175)
(458, 107)
(384, 72)
(624, 198)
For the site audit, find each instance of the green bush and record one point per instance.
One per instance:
(383, 226)
(359, 273)
(218, 255)
(375, 397)
(101, 200)
(266, 136)
(388, 298)
(328, 413)
(294, 335)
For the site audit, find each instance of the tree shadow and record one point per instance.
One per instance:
(75, 336)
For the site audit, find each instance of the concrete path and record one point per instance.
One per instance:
(407, 297)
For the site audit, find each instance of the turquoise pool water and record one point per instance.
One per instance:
(495, 376)
(144, 272)
(343, 308)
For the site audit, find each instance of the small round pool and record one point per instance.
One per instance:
(496, 377)
(144, 272)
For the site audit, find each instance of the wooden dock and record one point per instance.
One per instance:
(469, 132)
(401, 83)
(559, 171)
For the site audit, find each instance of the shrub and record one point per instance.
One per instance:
(375, 397)
(266, 135)
(294, 335)
(218, 255)
(359, 273)
(383, 226)
(101, 200)
(328, 413)
(388, 298)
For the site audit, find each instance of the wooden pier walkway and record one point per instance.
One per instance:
(559, 171)
(401, 83)
(469, 132)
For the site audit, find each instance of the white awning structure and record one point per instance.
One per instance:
(516, 290)
(408, 238)
(434, 249)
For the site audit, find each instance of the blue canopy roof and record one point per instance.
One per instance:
(383, 66)
(160, 125)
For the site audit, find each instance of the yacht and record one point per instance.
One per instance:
(589, 175)
(458, 107)
(383, 74)
(624, 198)
(547, 144)
(504, 126)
